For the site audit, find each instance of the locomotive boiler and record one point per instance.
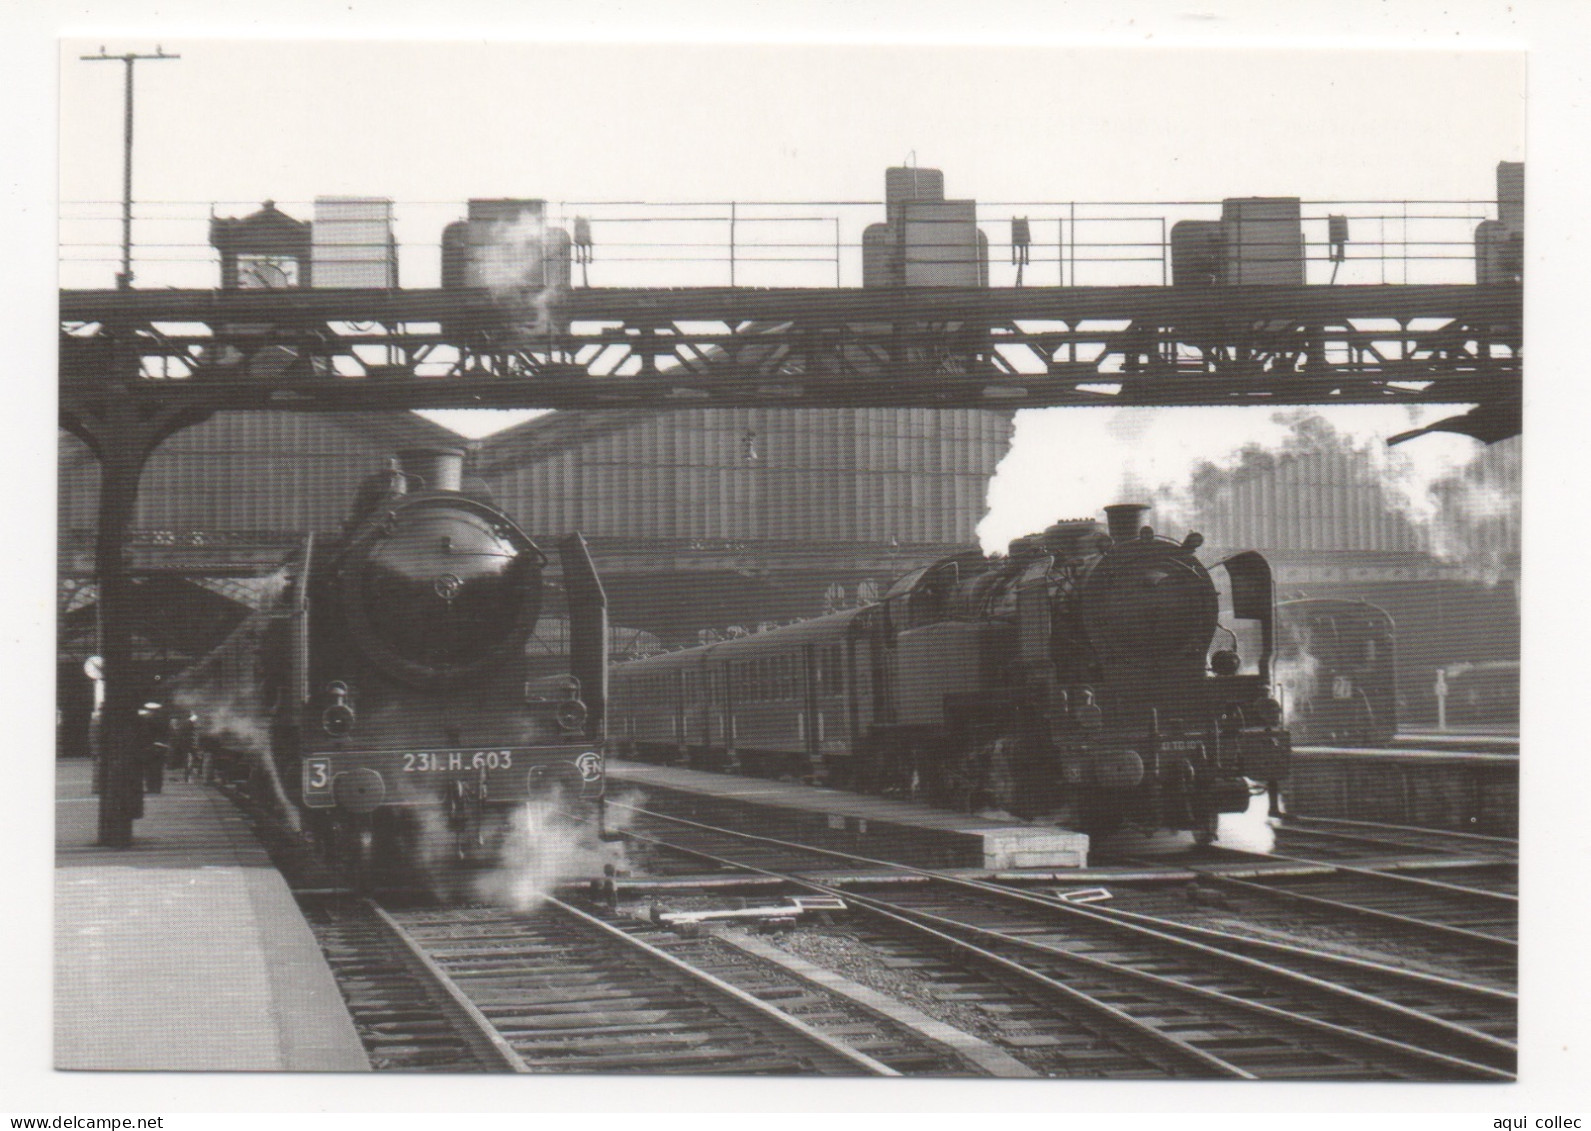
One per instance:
(1095, 676)
(391, 675)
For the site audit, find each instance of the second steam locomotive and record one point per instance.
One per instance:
(1093, 676)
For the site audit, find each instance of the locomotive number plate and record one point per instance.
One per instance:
(452, 761)
(404, 776)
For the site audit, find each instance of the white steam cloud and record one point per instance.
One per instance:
(1460, 497)
(1295, 671)
(547, 844)
(225, 693)
(519, 267)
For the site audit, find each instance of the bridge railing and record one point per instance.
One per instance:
(814, 244)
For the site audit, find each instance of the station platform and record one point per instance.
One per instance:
(1470, 741)
(1451, 790)
(185, 952)
(877, 827)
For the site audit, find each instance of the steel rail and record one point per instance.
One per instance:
(1344, 996)
(1135, 1028)
(1503, 842)
(1394, 877)
(1492, 944)
(761, 1010)
(1360, 975)
(1175, 985)
(738, 1001)
(1351, 964)
(943, 927)
(1397, 843)
(484, 1037)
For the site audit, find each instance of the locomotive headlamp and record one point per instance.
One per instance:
(338, 719)
(570, 715)
(1226, 662)
(1268, 712)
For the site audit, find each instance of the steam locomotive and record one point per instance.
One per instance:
(384, 696)
(1093, 676)
(1337, 671)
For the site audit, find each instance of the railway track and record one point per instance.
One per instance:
(1433, 891)
(405, 1018)
(1477, 921)
(560, 990)
(1465, 860)
(1213, 1010)
(557, 989)
(1246, 918)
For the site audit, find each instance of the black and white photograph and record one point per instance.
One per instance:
(712, 556)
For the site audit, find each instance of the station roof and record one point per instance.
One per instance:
(549, 435)
(388, 431)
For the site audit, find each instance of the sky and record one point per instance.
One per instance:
(428, 125)
(440, 102)
(241, 121)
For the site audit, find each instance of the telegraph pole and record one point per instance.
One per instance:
(122, 437)
(124, 280)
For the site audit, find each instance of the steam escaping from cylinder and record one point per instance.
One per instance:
(1250, 830)
(1295, 671)
(549, 841)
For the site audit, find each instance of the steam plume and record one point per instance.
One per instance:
(546, 845)
(1457, 499)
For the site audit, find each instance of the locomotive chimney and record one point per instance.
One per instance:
(440, 469)
(1124, 520)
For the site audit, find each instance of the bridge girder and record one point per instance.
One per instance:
(929, 347)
